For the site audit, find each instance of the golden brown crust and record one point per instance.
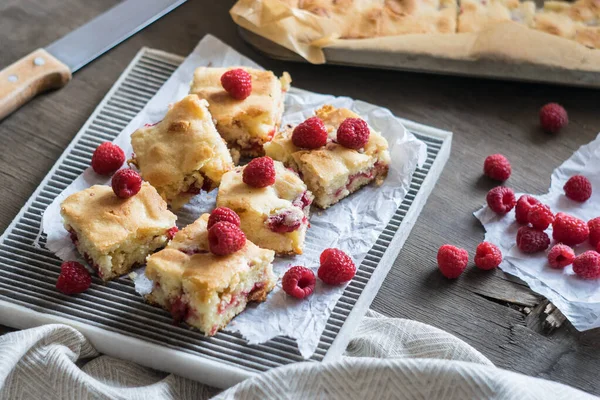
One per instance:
(106, 221)
(181, 149)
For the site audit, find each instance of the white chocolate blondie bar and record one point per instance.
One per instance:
(244, 124)
(115, 234)
(333, 171)
(204, 290)
(182, 154)
(273, 217)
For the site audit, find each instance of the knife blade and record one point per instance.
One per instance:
(51, 68)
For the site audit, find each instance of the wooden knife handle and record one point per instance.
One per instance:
(31, 75)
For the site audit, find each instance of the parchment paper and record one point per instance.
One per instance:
(352, 225)
(578, 299)
(306, 34)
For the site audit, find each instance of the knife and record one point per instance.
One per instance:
(51, 67)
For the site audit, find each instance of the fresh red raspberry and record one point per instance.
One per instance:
(553, 117)
(260, 172)
(594, 227)
(578, 188)
(336, 267)
(126, 183)
(560, 256)
(540, 216)
(238, 83)
(73, 278)
(497, 167)
(587, 265)
(223, 214)
(452, 261)
(299, 282)
(501, 199)
(310, 134)
(487, 256)
(225, 238)
(171, 232)
(353, 133)
(530, 240)
(107, 158)
(523, 206)
(569, 230)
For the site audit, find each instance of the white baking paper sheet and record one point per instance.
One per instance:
(578, 299)
(352, 225)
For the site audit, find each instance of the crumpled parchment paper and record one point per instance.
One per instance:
(352, 225)
(578, 299)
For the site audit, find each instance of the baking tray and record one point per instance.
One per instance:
(492, 69)
(114, 317)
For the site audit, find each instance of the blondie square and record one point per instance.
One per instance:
(244, 124)
(333, 171)
(182, 154)
(204, 290)
(274, 217)
(115, 234)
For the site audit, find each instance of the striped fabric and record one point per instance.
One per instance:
(387, 359)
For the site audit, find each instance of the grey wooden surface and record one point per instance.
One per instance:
(500, 317)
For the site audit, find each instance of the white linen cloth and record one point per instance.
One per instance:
(386, 359)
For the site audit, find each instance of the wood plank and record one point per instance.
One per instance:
(496, 314)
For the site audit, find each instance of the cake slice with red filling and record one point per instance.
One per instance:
(182, 154)
(332, 168)
(274, 217)
(115, 234)
(203, 289)
(249, 123)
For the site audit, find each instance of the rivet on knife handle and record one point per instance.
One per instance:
(31, 75)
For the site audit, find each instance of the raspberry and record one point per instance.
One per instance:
(298, 282)
(310, 134)
(578, 188)
(452, 261)
(560, 256)
(225, 238)
(237, 82)
(220, 214)
(73, 278)
(336, 267)
(487, 256)
(501, 199)
(171, 232)
(530, 240)
(569, 230)
(353, 133)
(497, 167)
(553, 117)
(594, 227)
(260, 172)
(523, 206)
(126, 183)
(540, 216)
(107, 158)
(587, 265)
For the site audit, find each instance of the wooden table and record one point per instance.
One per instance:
(500, 317)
